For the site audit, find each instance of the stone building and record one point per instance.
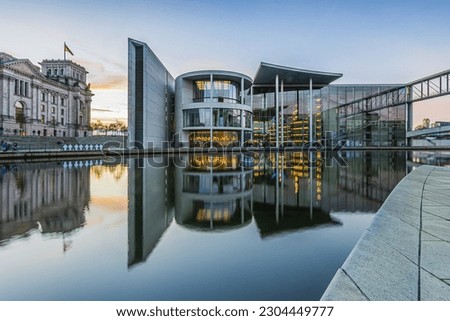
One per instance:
(51, 100)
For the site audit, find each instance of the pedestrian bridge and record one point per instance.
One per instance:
(435, 131)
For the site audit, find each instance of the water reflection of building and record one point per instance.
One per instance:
(150, 209)
(288, 192)
(365, 183)
(283, 192)
(213, 192)
(42, 194)
(362, 185)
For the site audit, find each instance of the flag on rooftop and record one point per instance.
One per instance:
(67, 49)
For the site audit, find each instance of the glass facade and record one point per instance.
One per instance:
(225, 117)
(200, 117)
(385, 127)
(224, 138)
(219, 184)
(221, 117)
(222, 91)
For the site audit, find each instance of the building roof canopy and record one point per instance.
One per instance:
(293, 78)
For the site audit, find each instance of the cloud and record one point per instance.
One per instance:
(109, 82)
(102, 109)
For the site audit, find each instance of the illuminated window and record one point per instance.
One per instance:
(222, 91)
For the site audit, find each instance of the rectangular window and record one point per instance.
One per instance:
(16, 86)
(62, 101)
(62, 111)
(42, 119)
(43, 108)
(26, 89)
(53, 110)
(62, 121)
(53, 99)
(53, 120)
(21, 90)
(43, 96)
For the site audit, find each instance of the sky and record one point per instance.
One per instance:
(380, 41)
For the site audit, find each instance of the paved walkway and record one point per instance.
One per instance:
(405, 253)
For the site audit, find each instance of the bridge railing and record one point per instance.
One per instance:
(425, 88)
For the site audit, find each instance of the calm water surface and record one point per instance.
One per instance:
(200, 228)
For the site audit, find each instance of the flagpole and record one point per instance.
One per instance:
(64, 51)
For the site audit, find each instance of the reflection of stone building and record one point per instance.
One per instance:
(44, 195)
(150, 209)
(54, 101)
(213, 192)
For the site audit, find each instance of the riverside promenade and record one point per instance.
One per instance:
(405, 253)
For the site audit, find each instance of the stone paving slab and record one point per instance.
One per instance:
(442, 211)
(346, 289)
(432, 288)
(381, 262)
(436, 226)
(405, 253)
(387, 228)
(436, 258)
(402, 211)
(428, 237)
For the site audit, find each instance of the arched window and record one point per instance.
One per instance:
(20, 117)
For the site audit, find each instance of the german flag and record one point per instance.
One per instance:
(66, 49)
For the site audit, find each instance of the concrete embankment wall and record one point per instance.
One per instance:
(405, 253)
(49, 143)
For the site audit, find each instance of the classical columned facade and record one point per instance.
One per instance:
(54, 101)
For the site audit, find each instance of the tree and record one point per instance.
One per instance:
(99, 126)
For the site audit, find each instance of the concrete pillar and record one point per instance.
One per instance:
(276, 112)
(409, 114)
(282, 112)
(310, 112)
(251, 105)
(211, 95)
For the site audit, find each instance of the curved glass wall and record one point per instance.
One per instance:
(221, 117)
(247, 119)
(216, 192)
(220, 138)
(217, 184)
(200, 117)
(222, 91)
(225, 117)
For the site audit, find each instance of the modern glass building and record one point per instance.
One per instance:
(385, 127)
(211, 109)
(280, 106)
